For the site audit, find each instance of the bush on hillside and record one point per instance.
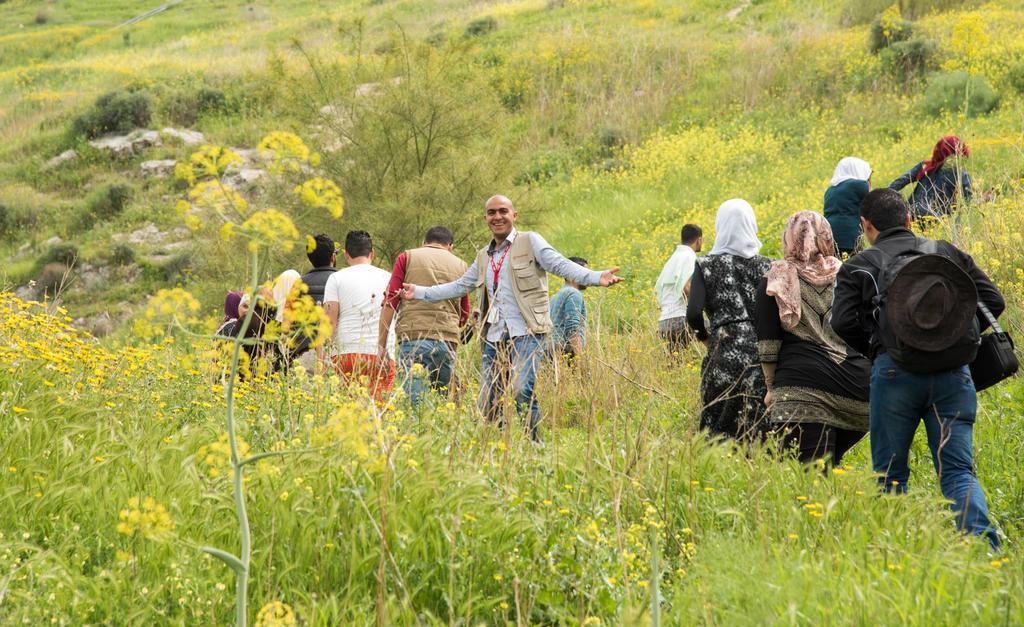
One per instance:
(66, 254)
(114, 112)
(1015, 77)
(958, 92)
(122, 255)
(910, 59)
(481, 26)
(888, 29)
(109, 200)
(186, 107)
(51, 278)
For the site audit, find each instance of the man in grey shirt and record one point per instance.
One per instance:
(511, 275)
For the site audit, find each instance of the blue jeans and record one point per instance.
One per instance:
(514, 362)
(437, 360)
(947, 403)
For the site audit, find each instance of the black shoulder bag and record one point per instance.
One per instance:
(996, 360)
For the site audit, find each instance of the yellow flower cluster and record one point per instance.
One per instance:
(215, 457)
(351, 427)
(145, 517)
(305, 320)
(207, 162)
(288, 152)
(276, 614)
(321, 193)
(270, 227)
(166, 309)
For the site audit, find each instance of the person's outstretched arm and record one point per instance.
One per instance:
(906, 178)
(554, 262)
(695, 305)
(445, 291)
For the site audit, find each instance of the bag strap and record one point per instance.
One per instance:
(988, 316)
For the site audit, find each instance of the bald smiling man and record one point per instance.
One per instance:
(510, 277)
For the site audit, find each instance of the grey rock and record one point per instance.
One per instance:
(184, 135)
(122, 146)
(158, 168)
(64, 157)
(244, 178)
(53, 241)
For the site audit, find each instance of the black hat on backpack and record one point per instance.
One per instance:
(931, 303)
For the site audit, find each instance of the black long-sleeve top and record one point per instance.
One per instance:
(856, 286)
(935, 193)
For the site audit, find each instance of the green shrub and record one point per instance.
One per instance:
(108, 201)
(541, 168)
(481, 26)
(611, 139)
(1015, 77)
(115, 112)
(51, 278)
(122, 255)
(958, 92)
(66, 254)
(879, 38)
(910, 59)
(186, 107)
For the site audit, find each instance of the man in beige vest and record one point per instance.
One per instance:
(510, 276)
(428, 333)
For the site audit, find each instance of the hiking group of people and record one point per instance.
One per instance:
(810, 349)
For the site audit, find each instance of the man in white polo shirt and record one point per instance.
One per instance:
(352, 300)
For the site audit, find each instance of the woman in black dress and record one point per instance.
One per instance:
(817, 385)
(731, 385)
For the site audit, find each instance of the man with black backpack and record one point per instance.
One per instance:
(914, 306)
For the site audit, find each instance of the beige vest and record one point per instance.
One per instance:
(529, 284)
(418, 319)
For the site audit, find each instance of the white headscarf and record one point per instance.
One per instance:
(283, 285)
(850, 168)
(736, 230)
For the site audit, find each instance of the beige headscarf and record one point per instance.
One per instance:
(809, 252)
(283, 285)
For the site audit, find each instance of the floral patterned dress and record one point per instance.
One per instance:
(732, 384)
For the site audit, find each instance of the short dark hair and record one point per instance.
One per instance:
(358, 244)
(321, 255)
(580, 261)
(690, 233)
(884, 208)
(439, 235)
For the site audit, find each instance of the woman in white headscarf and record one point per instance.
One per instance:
(724, 287)
(849, 185)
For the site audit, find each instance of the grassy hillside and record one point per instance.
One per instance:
(611, 123)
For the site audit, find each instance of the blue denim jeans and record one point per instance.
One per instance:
(437, 360)
(511, 362)
(947, 403)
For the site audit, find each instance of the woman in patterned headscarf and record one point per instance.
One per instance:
(723, 286)
(940, 182)
(817, 385)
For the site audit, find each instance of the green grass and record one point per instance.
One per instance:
(463, 523)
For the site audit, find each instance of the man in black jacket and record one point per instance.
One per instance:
(899, 399)
(322, 255)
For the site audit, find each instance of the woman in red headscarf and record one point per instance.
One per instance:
(817, 385)
(941, 181)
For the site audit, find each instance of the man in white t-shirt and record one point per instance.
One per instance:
(352, 300)
(673, 288)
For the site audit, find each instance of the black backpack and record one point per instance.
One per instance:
(961, 352)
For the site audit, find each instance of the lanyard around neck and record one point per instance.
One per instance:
(496, 268)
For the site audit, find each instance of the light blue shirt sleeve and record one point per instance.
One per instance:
(445, 291)
(554, 262)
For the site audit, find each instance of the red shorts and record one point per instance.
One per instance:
(356, 365)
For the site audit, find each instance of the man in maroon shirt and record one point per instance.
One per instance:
(427, 333)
